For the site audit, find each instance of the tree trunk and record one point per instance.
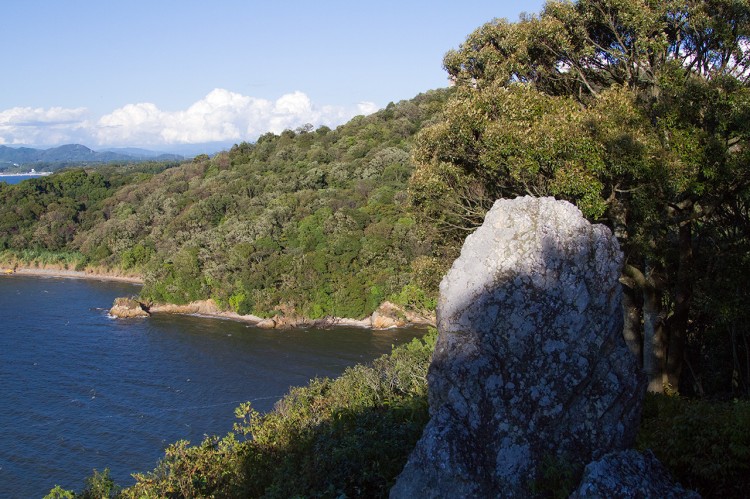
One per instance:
(631, 314)
(654, 339)
(678, 323)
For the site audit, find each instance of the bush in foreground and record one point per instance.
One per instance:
(348, 436)
(706, 445)
(351, 436)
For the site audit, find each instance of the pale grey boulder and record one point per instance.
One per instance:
(629, 474)
(530, 363)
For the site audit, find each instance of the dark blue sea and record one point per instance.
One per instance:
(80, 390)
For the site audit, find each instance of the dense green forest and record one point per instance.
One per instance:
(315, 222)
(637, 111)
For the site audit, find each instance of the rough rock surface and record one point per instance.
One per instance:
(629, 474)
(126, 308)
(266, 324)
(530, 363)
(388, 315)
(202, 307)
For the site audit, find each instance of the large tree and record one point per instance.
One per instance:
(636, 110)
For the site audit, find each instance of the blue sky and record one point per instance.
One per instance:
(161, 74)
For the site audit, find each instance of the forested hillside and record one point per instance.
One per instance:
(636, 111)
(313, 222)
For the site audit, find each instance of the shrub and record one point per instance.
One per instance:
(345, 437)
(706, 445)
(100, 486)
(60, 493)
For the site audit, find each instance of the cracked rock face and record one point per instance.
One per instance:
(530, 364)
(629, 474)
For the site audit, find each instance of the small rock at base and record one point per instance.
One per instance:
(127, 308)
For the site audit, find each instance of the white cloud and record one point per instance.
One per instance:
(367, 107)
(27, 115)
(221, 115)
(26, 125)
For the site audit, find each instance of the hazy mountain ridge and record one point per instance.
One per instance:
(11, 157)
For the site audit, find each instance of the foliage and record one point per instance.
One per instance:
(100, 486)
(311, 221)
(210, 469)
(350, 436)
(635, 111)
(345, 437)
(706, 445)
(59, 493)
(40, 257)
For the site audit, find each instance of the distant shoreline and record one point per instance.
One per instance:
(36, 174)
(74, 274)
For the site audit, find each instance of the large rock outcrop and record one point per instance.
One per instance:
(530, 365)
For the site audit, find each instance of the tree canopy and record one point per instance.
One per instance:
(637, 111)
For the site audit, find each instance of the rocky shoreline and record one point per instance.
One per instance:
(388, 315)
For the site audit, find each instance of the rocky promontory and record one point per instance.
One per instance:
(387, 315)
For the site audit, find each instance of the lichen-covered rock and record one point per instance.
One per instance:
(530, 364)
(127, 308)
(629, 474)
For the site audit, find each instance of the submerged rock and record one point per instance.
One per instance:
(127, 308)
(530, 363)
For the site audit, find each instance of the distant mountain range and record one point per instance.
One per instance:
(14, 157)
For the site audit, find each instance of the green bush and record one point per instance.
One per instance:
(347, 437)
(706, 445)
(413, 297)
(100, 486)
(60, 493)
(209, 469)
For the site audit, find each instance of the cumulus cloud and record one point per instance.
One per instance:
(26, 125)
(221, 115)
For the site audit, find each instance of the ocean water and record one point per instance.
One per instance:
(15, 179)
(80, 390)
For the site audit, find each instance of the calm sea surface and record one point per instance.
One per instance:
(79, 390)
(15, 179)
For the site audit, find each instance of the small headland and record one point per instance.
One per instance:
(387, 315)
